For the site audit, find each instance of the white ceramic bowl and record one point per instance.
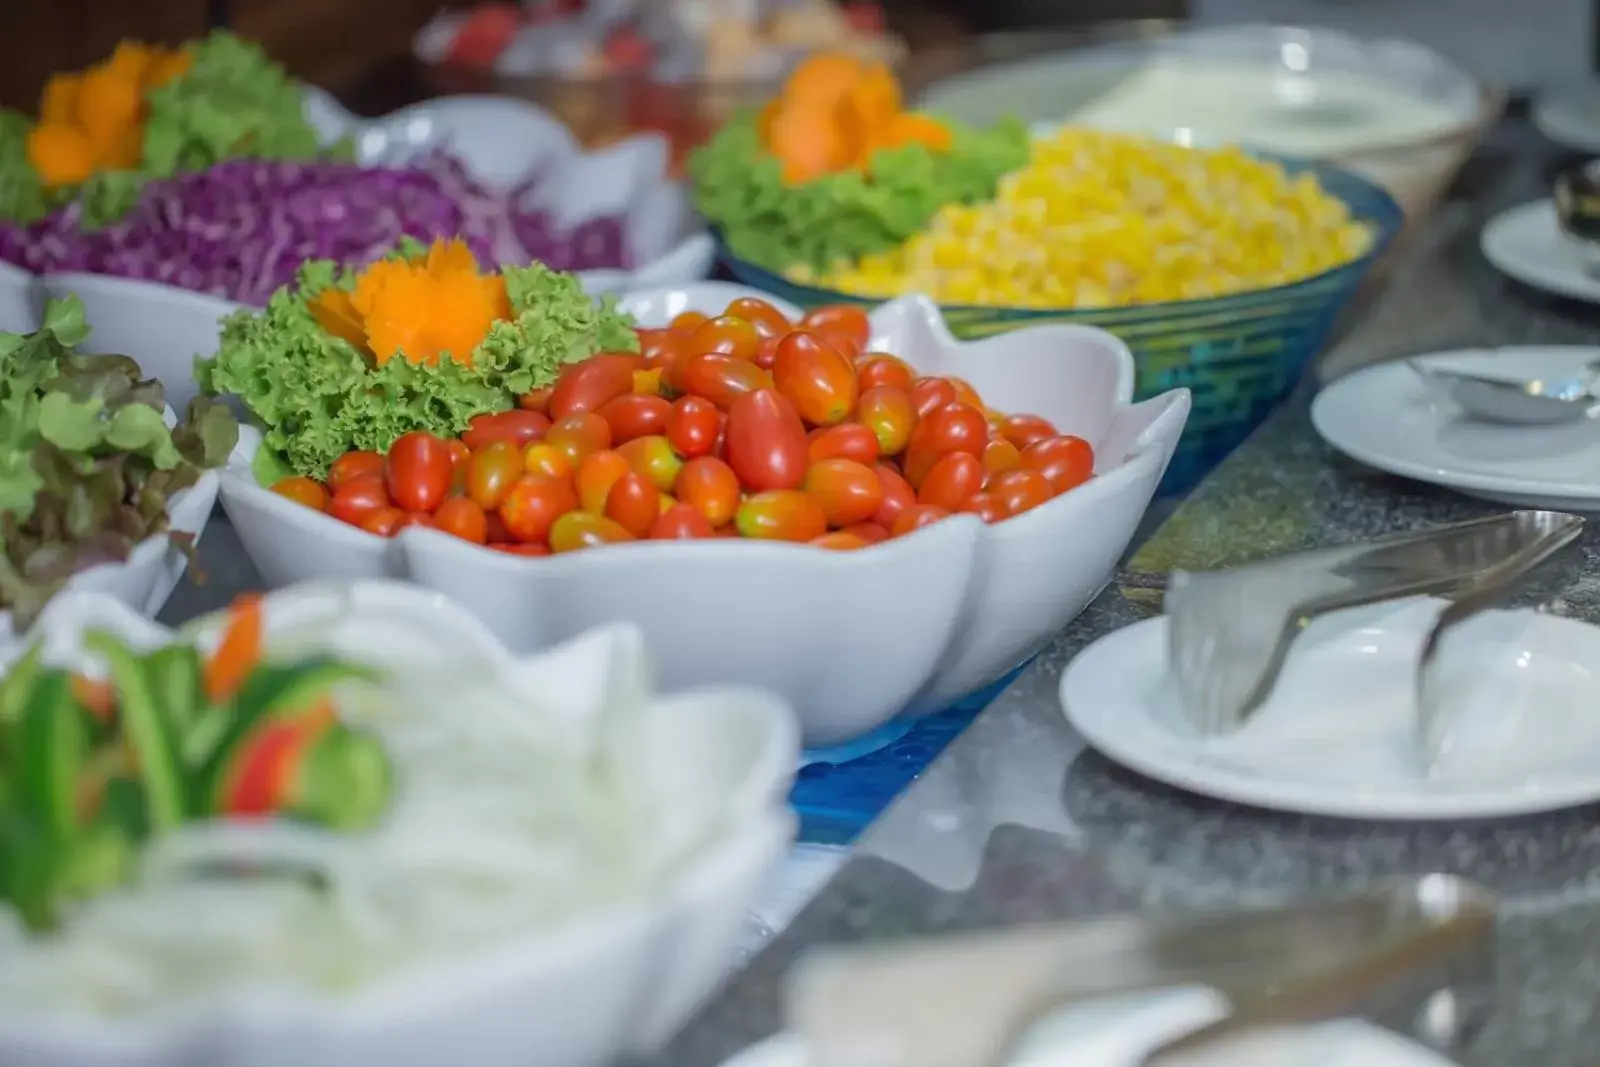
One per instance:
(19, 300)
(850, 640)
(607, 983)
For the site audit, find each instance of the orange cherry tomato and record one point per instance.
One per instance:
(727, 335)
(464, 519)
(633, 416)
(536, 400)
(634, 503)
(849, 440)
(579, 435)
(685, 323)
(692, 426)
(879, 368)
(583, 529)
(952, 481)
(930, 394)
(849, 492)
(533, 506)
(1020, 490)
(816, 377)
(781, 515)
(709, 485)
(767, 320)
(492, 471)
(1024, 430)
(544, 458)
(766, 442)
(965, 393)
(719, 378)
(842, 320)
(654, 458)
(460, 456)
(916, 517)
(897, 496)
(680, 523)
(841, 541)
(656, 347)
(1065, 461)
(598, 472)
(518, 548)
(307, 492)
(890, 415)
(999, 456)
(986, 506)
(384, 521)
(648, 382)
(586, 386)
(519, 427)
(357, 498)
(417, 471)
(353, 465)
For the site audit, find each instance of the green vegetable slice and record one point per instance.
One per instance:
(52, 742)
(149, 731)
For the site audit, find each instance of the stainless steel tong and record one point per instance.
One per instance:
(966, 1000)
(1230, 631)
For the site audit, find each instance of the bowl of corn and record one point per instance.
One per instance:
(1223, 270)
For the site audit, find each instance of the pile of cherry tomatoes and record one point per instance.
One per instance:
(741, 425)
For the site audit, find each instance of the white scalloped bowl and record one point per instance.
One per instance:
(19, 300)
(853, 639)
(616, 980)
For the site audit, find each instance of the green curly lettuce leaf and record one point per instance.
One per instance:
(318, 397)
(738, 187)
(23, 198)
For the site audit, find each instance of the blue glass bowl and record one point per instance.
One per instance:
(1239, 355)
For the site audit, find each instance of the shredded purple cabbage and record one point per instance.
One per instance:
(241, 229)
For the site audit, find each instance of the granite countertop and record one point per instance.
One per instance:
(1019, 822)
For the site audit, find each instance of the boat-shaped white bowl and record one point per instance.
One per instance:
(612, 981)
(19, 300)
(850, 639)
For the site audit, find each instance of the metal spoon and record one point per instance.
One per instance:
(1532, 401)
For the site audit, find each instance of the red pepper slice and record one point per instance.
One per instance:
(263, 772)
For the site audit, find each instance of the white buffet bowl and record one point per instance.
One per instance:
(617, 979)
(19, 300)
(850, 639)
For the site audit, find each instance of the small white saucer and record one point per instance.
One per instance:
(1570, 115)
(1526, 243)
(1336, 735)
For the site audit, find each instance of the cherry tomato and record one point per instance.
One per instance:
(308, 492)
(384, 521)
(357, 498)
(353, 465)
(416, 518)
(891, 417)
(930, 394)
(999, 456)
(518, 548)
(544, 458)
(464, 519)
(634, 503)
(849, 440)
(685, 323)
(816, 377)
(986, 506)
(709, 485)
(680, 523)
(726, 335)
(870, 532)
(656, 346)
(1066, 461)
(955, 427)
(582, 529)
(842, 320)
(668, 502)
(766, 442)
(897, 496)
(952, 481)
(767, 320)
(519, 427)
(841, 541)
(417, 471)
(965, 393)
(533, 506)
(916, 517)
(598, 472)
(498, 534)
(782, 515)
(647, 382)
(879, 368)
(579, 435)
(492, 471)
(588, 385)
(460, 456)
(654, 458)
(692, 426)
(536, 400)
(719, 378)
(1020, 490)
(1024, 430)
(633, 416)
(849, 492)
(767, 354)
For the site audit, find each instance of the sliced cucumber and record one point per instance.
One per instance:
(149, 731)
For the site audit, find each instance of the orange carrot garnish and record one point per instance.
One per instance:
(237, 653)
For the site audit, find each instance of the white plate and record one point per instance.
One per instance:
(1570, 116)
(1526, 243)
(1336, 735)
(1386, 417)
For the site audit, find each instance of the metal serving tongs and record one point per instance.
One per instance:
(966, 1000)
(1229, 631)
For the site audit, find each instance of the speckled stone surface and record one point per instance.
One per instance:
(1018, 822)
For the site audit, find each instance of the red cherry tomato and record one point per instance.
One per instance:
(598, 472)
(955, 427)
(986, 506)
(586, 386)
(518, 427)
(916, 517)
(692, 426)
(544, 458)
(680, 522)
(384, 521)
(709, 485)
(965, 393)
(354, 465)
(890, 415)
(845, 321)
(930, 394)
(719, 378)
(464, 519)
(768, 320)
(583, 529)
(816, 377)
(416, 518)
(460, 457)
(1020, 490)
(766, 442)
(879, 368)
(635, 415)
(767, 354)
(897, 496)
(870, 532)
(533, 506)
(498, 534)
(579, 435)
(656, 346)
(417, 471)
(634, 503)
(1066, 461)
(841, 541)
(536, 400)
(849, 492)
(850, 440)
(307, 492)
(654, 458)
(782, 515)
(518, 548)
(727, 335)
(952, 481)
(999, 456)
(1024, 430)
(357, 498)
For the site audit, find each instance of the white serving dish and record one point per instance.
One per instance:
(19, 300)
(617, 980)
(850, 640)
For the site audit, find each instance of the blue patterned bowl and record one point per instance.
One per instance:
(1238, 355)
